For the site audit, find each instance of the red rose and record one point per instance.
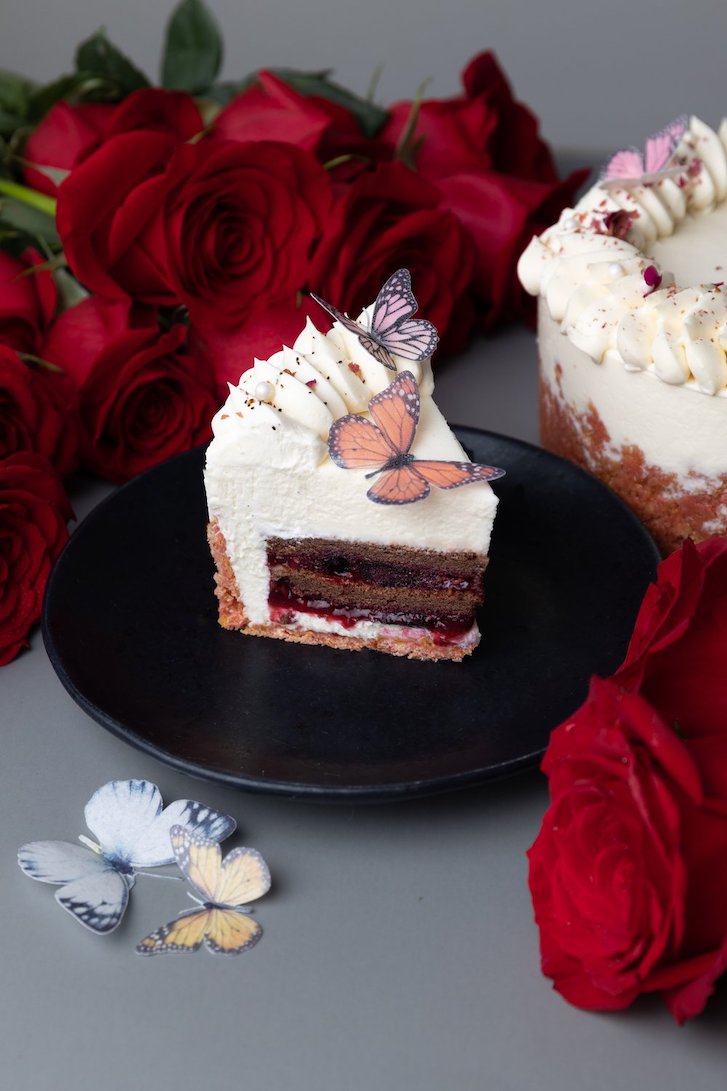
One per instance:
(110, 218)
(241, 221)
(34, 511)
(628, 873)
(143, 396)
(392, 218)
(271, 110)
(68, 135)
(64, 137)
(484, 129)
(38, 412)
(27, 301)
(676, 656)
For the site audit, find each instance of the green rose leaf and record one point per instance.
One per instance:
(193, 50)
(99, 56)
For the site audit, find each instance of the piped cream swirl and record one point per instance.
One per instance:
(589, 269)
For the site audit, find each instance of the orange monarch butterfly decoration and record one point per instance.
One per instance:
(223, 887)
(382, 445)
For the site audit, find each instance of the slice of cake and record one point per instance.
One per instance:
(333, 487)
(632, 319)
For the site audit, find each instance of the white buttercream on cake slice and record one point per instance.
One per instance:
(268, 472)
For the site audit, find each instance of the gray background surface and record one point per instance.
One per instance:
(399, 948)
(600, 74)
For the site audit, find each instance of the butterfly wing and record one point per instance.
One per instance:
(153, 847)
(199, 860)
(244, 877)
(96, 901)
(402, 485)
(414, 339)
(356, 443)
(59, 862)
(130, 824)
(339, 316)
(394, 303)
(377, 350)
(90, 888)
(660, 148)
(184, 934)
(626, 165)
(119, 812)
(396, 412)
(230, 932)
(450, 475)
(392, 324)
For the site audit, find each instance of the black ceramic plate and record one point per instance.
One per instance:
(130, 626)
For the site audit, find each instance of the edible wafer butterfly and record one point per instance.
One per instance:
(392, 330)
(631, 165)
(131, 826)
(222, 887)
(382, 445)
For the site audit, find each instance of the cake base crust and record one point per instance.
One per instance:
(232, 616)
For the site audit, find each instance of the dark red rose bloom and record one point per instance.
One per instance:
(34, 511)
(38, 412)
(241, 221)
(110, 218)
(68, 135)
(388, 219)
(628, 873)
(27, 300)
(676, 656)
(143, 396)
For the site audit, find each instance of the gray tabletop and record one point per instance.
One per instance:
(399, 947)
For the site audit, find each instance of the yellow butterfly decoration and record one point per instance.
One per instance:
(223, 886)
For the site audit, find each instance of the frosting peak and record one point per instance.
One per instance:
(590, 268)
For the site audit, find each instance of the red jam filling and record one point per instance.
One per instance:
(444, 629)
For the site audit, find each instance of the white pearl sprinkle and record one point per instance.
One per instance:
(570, 224)
(264, 392)
(616, 269)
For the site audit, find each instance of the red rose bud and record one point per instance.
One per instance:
(38, 412)
(34, 511)
(28, 300)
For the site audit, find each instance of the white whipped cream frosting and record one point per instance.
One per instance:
(268, 472)
(592, 282)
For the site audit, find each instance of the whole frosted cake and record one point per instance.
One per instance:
(632, 328)
(336, 515)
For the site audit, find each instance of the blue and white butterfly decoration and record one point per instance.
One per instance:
(132, 831)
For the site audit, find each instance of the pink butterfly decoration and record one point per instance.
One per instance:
(630, 165)
(392, 330)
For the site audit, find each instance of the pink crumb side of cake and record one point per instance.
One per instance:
(669, 511)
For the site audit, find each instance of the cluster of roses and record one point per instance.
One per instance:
(629, 872)
(193, 241)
